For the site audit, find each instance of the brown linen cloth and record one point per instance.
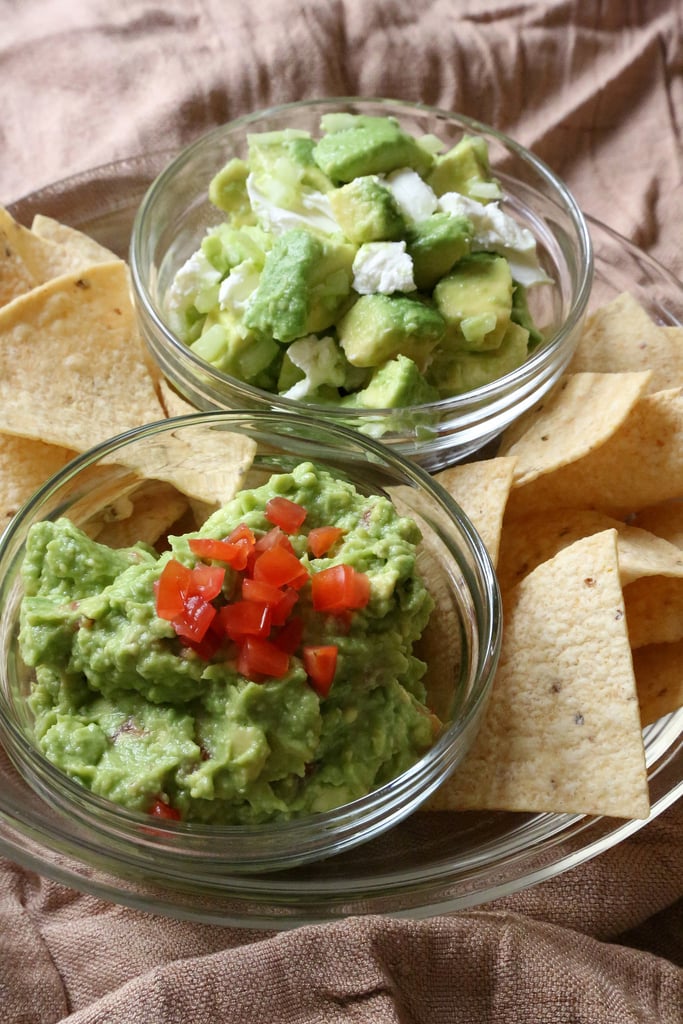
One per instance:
(596, 89)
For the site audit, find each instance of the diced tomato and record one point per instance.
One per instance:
(234, 553)
(280, 568)
(322, 538)
(320, 662)
(274, 538)
(259, 658)
(240, 533)
(160, 809)
(207, 580)
(195, 619)
(282, 610)
(339, 588)
(172, 589)
(286, 514)
(246, 618)
(259, 590)
(289, 637)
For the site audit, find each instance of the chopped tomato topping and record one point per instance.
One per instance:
(339, 588)
(274, 538)
(259, 590)
(172, 589)
(322, 538)
(236, 553)
(196, 617)
(246, 618)
(280, 568)
(282, 610)
(320, 662)
(289, 637)
(262, 658)
(160, 809)
(207, 580)
(286, 514)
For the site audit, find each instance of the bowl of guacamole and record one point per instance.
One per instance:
(255, 640)
(390, 267)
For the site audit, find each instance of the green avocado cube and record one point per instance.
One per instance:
(465, 169)
(395, 384)
(304, 283)
(366, 211)
(454, 372)
(475, 299)
(435, 245)
(380, 327)
(282, 163)
(228, 192)
(242, 354)
(357, 144)
(521, 314)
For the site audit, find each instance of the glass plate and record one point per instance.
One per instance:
(430, 864)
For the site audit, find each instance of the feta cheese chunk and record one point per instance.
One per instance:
(194, 275)
(314, 211)
(321, 361)
(235, 290)
(414, 198)
(383, 267)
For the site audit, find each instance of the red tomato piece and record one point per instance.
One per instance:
(242, 532)
(320, 662)
(172, 589)
(274, 538)
(322, 538)
(207, 580)
(259, 658)
(282, 610)
(289, 637)
(286, 514)
(339, 588)
(280, 568)
(259, 590)
(234, 553)
(195, 619)
(160, 809)
(245, 618)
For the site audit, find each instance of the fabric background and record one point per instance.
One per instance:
(596, 90)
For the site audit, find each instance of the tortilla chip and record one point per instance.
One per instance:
(654, 610)
(527, 542)
(659, 678)
(173, 403)
(580, 413)
(481, 489)
(640, 464)
(70, 238)
(666, 520)
(72, 367)
(152, 509)
(561, 731)
(621, 336)
(24, 467)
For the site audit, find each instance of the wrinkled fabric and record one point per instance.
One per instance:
(596, 90)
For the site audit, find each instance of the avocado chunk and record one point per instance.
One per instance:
(465, 168)
(395, 384)
(242, 354)
(228, 192)
(357, 145)
(379, 327)
(366, 211)
(282, 163)
(475, 299)
(304, 283)
(521, 314)
(436, 244)
(455, 371)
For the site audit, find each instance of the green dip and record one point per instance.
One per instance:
(125, 707)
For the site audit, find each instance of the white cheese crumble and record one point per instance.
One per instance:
(414, 198)
(196, 273)
(314, 212)
(321, 362)
(235, 290)
(383, 267)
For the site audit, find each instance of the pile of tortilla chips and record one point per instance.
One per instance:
(581, 511)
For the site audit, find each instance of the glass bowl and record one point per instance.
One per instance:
(175, 214)
(189, 455)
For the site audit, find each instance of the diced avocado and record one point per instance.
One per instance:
(453, 372)
(304, 283)
(226, 246)
(379, 327)
(228, 191)
(356, 145)
(395, 384)
(366, 211)
(522, 315)
(465, 168)
(476, 300)
(282, 163)
(241, 354)
(436, 244)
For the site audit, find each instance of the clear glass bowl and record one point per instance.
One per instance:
(429, 863)
(176, 212)
(455, 564)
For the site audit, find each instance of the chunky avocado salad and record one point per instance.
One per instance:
(256, 669)
(367, 268)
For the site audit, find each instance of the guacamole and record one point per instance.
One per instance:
(341, 257)
(256, 669)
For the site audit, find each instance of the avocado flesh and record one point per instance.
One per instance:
(453, 372)
(475, 299)
(379, 327)
(396, 384)
(366, 211)
(435, 245)
(465, 169)
(367, 145)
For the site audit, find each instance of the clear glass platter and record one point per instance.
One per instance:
(430, 864)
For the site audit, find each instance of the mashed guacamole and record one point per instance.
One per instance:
(135, 697)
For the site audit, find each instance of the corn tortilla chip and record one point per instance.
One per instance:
(640, 464)
(620, 336)
(659, 678)
(74, 339)
(665, 520)
(153, 508)
(654, 610)
(76, 241)
(561, 732)
(527, 542)
(173, 403)
(24, 467)
(481, 489)
(576, 417)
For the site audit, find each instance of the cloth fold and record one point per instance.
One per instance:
(596, 90)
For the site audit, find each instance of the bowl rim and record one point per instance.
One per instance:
(456, 403)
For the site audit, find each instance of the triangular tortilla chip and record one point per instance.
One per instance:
(482, 489)
(88, 250)
(561, 731)
(24, 467)
(659, 678)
